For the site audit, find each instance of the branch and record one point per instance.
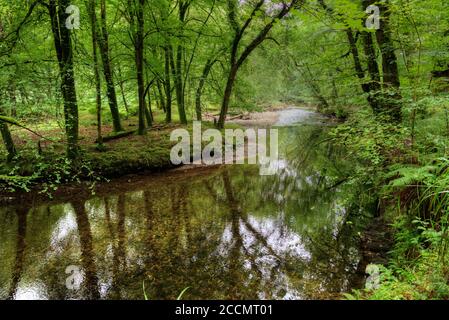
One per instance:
(264, 32)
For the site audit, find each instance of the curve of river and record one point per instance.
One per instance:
(227, 233)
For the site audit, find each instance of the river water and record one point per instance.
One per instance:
(227, 232)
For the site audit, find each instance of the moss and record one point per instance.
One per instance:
(130, 158)
(127, 155)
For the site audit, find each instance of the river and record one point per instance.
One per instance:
(226, 232)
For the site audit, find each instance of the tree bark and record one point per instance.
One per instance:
(168, 104)
(390, 68)
(199, 91)
(177, 67)
(139, 47)
(107, 71)
(64, 53)
(93, 22)
(161, 95)
(7, 140)
(122, 90)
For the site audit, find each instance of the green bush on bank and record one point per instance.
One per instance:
(408, 168)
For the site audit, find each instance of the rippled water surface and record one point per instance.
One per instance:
(225, 233)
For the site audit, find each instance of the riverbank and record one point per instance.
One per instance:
(409, 179)
(42, 168)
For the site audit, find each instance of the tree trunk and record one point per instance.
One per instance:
(199, 91)
(177, 68)
(356, 57)
(148, 111)
(122, 90)
(179, 86)
(107, 70)
(7, 140)
(374, 96)
(93, 22)
(227, 96)
(161, 96)
(168, 103)
(390, 68)
(64, 53)
(139, 47)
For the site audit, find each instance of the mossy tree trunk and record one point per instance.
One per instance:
(64, 53)
(93, 21)
(107, 70)
(7, 140)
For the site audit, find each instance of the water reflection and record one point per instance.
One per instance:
(229, 234)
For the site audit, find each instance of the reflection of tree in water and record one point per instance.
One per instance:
(20, 250)
(264, 265)
(309, 194)
(87, 251)
(230, 234)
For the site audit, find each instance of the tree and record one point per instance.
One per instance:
(7, 140)
(64, 53)
(383, 88)
(178, 66)
(107, 69)
(137, 23)
(93, 22)
(236, 58)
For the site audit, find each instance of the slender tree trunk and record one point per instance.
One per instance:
(64, 52)
(122, 90)
(356, 57)
(375, 94)
(366, 87)
(93, 22)
(168, 104)
(227, 96)
(13, 97)
(177, 68)
(7, 140)
(148, 111)
(147, 95)
(139, 47)
(179, 86)
(390, 68)
(161, 96)
(107, 70)
(199, 91)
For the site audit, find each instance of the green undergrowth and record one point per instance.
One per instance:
(407, 167)
(49, 168)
